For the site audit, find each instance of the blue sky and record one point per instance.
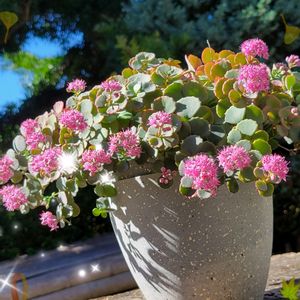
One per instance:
(12, 90)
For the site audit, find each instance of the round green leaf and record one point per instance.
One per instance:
(185, 191)
(191, 145)
(200, 127)
(245, 144)
(247, 127)
(234, 115)
(233, 136)
(262, 146)
(187, 107)
(19, 143)
(186, 182)
(164, 103)
(232, 185)
(255, 113)
(246, 175)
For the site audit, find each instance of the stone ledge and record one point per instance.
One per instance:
(283, 266)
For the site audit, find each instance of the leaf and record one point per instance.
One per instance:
(19, 143)
(234, 115)
(105, 190)
(232, 185)
(245, 144)
(191, 145)
(233, 73)
(193, 62)
(8, 19)
(86, 106)
(217, 133)
(290, 81)
(174, 90)
(255, 113)
(199, 127)
(187, 107)
(222, 106)
(261, 134)
(164, 103)
(247, 126)
(124, 115)
(186, 191)
(246, 175)
(291, 32)
(262, 146)
(202, 194)
(208, 55)
(233, 136)
(186, 182)
(290, 289)
(195, 89)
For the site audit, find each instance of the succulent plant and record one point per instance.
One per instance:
(218, 121)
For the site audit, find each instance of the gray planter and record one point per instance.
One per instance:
(179, 248)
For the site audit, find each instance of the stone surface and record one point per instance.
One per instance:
(284, 266)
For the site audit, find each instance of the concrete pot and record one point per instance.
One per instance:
(181, 249)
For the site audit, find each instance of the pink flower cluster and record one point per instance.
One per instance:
(254, 78)
(293, 61)
(73, 119)
(32, 133)
(46, 162)
(166, 176)
(6, 172)
(275, 166)
(160, 119)
(93, 160)
(76, 86)
(233, 158)
(255, 47)
(125, 143)
(48, 219)
(12, 197)
(28, 127)
(35, 139)
(203, 170)
(111, 86)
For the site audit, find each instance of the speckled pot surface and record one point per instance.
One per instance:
(184, 249)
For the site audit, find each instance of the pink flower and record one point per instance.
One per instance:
(6, 172)
(73, 120)
(28, 127)
(125, 143)
(233, 158)
(293, 61)
(111, 86)
(275, 166)
(93, 160)
(12, 197)
(203, 170)
(46, 162)
(76, 86)
(254, 78)
(255, 47)
(294, 111)
(48, 219)
(166, 176)
(159, 119)
(34, 139)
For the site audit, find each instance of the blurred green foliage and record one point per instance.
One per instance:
(44, 72)
(113, 31)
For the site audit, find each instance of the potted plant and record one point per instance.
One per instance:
(182, 159)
